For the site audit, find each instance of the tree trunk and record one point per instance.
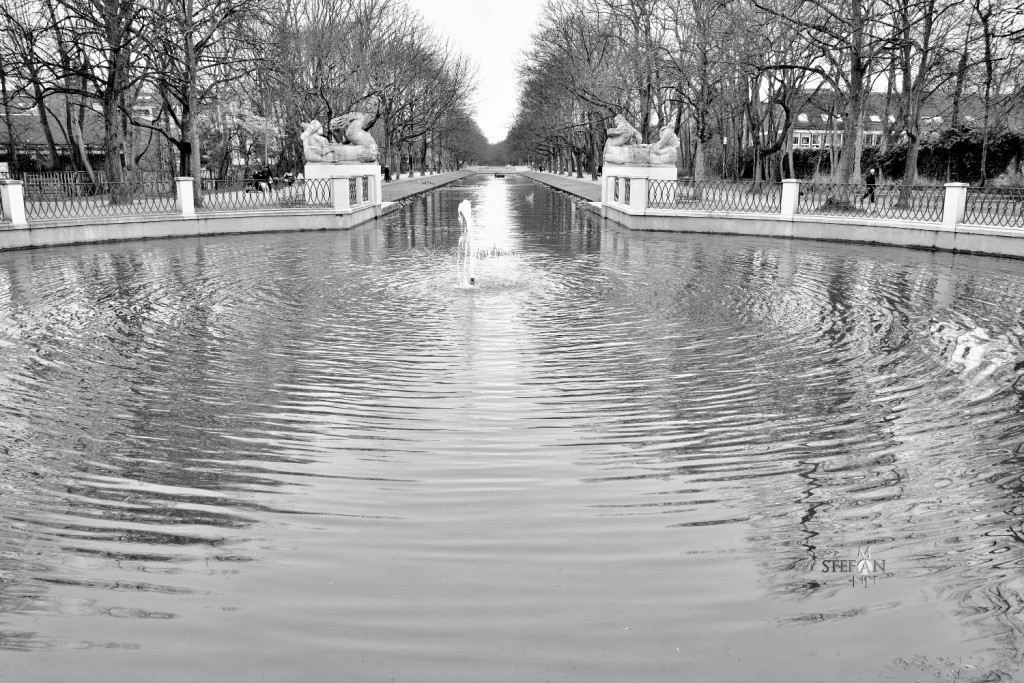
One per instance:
(961, 78)
(700, 169)
(886, 126)
(849, 166)
(858, 148)
(833, 153)
(11, 137)
(76, 139)
(114, 144)
(789, 153)
(989, 68)
(44, 121)
(913, 149)
(195, 159)
(913, 87)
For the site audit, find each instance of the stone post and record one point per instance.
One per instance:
(954, 206)
(638, 194)
(607, 188)
(375, 191)
(339, 193)
(12, 201)
(359, 190)
(790, 197)
(186, 198)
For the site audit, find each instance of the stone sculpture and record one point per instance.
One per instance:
(356, 146)
(315, 147)
(666, 149)
(624, 146)
(621, 139)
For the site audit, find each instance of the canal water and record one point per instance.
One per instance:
(620, 457)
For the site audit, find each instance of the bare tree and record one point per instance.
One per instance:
(197, 46)
(920, 30)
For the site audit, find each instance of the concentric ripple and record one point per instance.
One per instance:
(620, 456)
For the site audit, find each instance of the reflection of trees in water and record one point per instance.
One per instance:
(839, 412)
(922, 491)
(943, 447)
(141, 386)
(548, 224)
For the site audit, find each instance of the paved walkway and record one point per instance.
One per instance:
(397, 190)
(584, 188)
(407, 187)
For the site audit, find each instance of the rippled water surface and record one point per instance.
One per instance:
(312, 456)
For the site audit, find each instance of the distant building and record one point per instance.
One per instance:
(818, 124)
(33, 148)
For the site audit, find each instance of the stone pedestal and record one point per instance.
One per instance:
(186, 197)
(351, 171)
(954, 208)
(636, 177)
(790, 197)
(12, 202)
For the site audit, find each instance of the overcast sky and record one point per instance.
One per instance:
(493, 33)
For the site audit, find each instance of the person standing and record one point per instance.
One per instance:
(869, 193)
(387, 174)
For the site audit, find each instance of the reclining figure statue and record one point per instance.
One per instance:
(622, 139)
(623, 146)
(356, 146)
(666, 149)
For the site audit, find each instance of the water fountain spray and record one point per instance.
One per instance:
(467, 246)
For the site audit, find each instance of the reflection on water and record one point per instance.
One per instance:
(621, 457)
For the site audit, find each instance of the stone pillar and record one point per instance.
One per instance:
(375, 191)
(790, 197)
(638, 194)
(954, 206)
(339, 193)
(186, 197)
(12, 200)
(359, 190)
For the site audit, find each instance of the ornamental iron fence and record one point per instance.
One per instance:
(60, 185)
(243, 194)
(995, 206)
(85, 199)
(715, 195)
(899, 202)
